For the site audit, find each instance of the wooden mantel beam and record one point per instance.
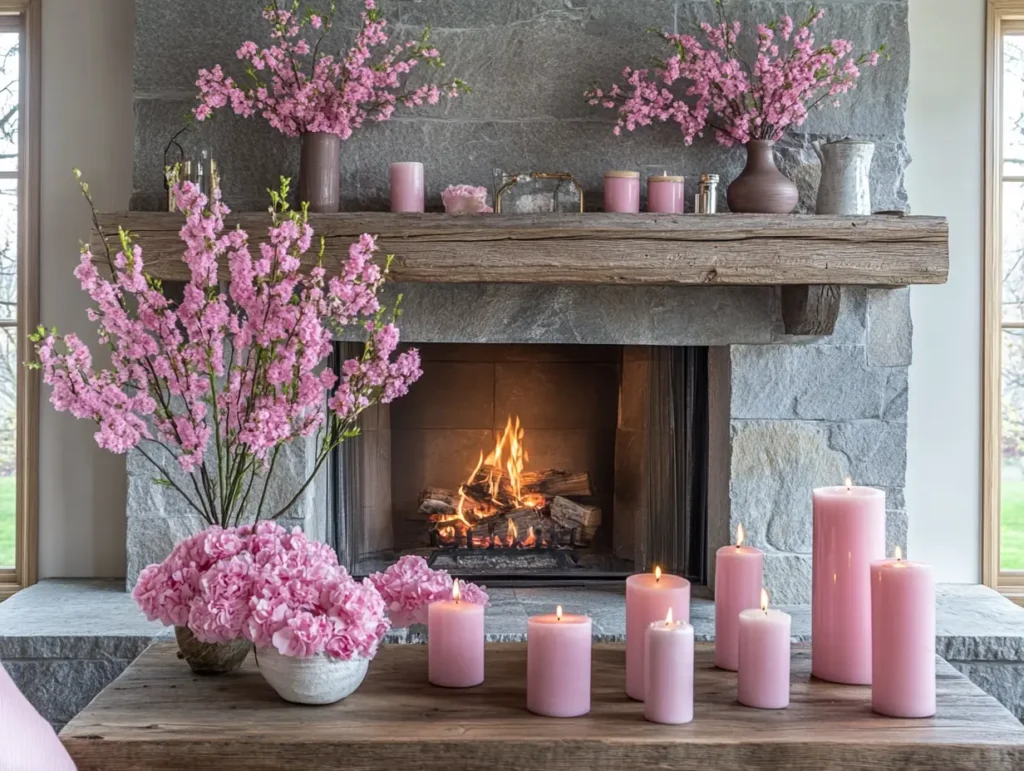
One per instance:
(645, 249)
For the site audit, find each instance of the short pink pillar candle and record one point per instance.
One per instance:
(665, 194)
(739, 576)
(903, 638)
(455, 642)
(558, 664)
(407, 187)
(668, 672)
(763, 676)
(622, 192)
(649, 596)
(849, 534)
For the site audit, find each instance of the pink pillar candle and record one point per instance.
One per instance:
(739, 576)
(558, 664)
(649, 596)
(668, 672)
(622, 192)
(455, 642)
(763, 676)
(407, 187)
(903, 638)
(849, 534)
(665, 194)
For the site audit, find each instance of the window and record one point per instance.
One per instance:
(19, 22)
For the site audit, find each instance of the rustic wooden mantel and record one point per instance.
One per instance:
(158, 716)
(809, 255)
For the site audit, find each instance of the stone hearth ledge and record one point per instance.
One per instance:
(63, 641)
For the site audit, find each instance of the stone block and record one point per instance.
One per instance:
(890, 329)
(806, 382)
(775, 464)
(1002, 679)
(897, 394)
(896, 527)
(976, 623)
(60, 689)
(787, 577)
(876, 451)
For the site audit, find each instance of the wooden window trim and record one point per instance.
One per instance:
(27, 15)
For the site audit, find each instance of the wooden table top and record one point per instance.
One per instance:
(157, 715)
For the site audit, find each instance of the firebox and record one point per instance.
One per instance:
(532, 462)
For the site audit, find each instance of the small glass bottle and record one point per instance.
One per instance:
(706, 201)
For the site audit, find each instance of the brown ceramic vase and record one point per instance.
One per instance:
(320, 172)
(761, 188)
(210, 658)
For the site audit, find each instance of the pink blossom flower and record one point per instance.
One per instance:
(465, 199)
(409, 586)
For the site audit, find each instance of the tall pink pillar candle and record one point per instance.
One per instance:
(558, 664)
(668, 672)
(739, 576)
(849, 534)
(665, 194)
(622, 192)
(648, 599)
(455, 643)
(763, 676)
(903, 638)
(407, 187)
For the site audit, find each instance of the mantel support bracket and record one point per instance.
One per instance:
(810, 309)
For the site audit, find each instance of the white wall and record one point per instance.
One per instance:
(945, 131)
(87, 122)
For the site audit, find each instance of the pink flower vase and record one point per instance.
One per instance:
(210, 658)
(320, 172)
(761, 188)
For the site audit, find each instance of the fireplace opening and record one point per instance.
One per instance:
(532, 462)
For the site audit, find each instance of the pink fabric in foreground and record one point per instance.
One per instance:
(27, 742)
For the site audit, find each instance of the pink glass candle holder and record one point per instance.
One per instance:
(764, 652)
(849, 534)
(455, 642)
(558, 664)
(622, 192)
(666, 195)
(407, 187)
(903, 638)
(739, 576)
(668, 672)
(649, 596)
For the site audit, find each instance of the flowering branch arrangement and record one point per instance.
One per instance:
(264, 584)
(222, 380)
(708, 82)
(410, 585)
(301, 89)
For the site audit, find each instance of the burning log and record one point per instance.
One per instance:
(570, 515)
(552, 482)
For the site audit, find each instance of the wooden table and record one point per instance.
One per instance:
(158, 716)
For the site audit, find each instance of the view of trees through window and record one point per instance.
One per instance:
(9, 102)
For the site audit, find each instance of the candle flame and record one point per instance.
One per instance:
(764, 599)
(898, 553)
(740, 535)
(848, 482)
(668, 618)
(558, 613)
(455, 591)
(657, 573)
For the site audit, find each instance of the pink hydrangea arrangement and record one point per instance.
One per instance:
(218, 382)
(709, 82)
(410, 585)
(299, 88)
(465, 199)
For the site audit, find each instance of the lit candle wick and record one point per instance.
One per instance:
(740, 535)
(899, 554)
(764, 600)
(657, 574)
(456, 594)
(558, 613)
(849, 483)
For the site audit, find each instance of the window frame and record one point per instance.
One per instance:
(26, 15)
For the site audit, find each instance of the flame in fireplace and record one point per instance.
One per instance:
(512, 534)
(531, 538)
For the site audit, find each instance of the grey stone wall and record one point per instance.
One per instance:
(528, 62)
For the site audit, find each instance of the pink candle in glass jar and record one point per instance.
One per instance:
(849, 534)
(558, 664)
(622, 192)
(763, 675)
(903, 638)
(668, 672)
(739, 576)
(665, 194)
(407, 187)
(649, 597)
(455, 642)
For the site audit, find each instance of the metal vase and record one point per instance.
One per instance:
(845, 186)
(320, 172)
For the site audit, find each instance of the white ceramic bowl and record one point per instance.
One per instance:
(316, 680)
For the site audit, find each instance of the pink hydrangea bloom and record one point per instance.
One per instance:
(465, 199)
(410, 585)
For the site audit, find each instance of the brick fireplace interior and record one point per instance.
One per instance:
(551, 462)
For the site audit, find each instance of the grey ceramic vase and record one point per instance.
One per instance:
(320, 172)
(210, 658)
(761, 188)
